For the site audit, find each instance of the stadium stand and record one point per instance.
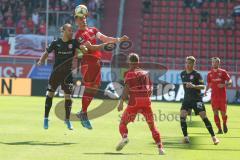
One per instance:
(172, 31)
(28, 16)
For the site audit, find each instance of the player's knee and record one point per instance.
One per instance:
(183, 113)
(215, 112)
(203, 114)
(223, 113)
(50, 94)
(67, 96)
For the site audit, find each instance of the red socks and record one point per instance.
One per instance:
(86, 100)
(217, 121)
(224, 118)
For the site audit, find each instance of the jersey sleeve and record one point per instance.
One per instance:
(199, 79)
(208, 78)
(181, 75)
(76, 44)
(95, 30)
(226, 76)
(125, 77)
(51, 47)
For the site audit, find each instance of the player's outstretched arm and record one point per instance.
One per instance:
(207, 88)
(199, 87)
(107, 39)
(93, 48)
(43, 58)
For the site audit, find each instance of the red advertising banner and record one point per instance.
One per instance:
(15, 70)
(4, 47)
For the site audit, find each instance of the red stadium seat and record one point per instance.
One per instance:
(180, 24)
(213, 5)
(172, 11)
(156, 16)
(172, 4)
(171, 38)
(163, 3)
(171, 17)
(155, 30)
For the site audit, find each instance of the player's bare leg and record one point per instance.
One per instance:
(224, 118)
(68, 107)
(209, 127)
(48, 105)
(217, 121)
(183, 117)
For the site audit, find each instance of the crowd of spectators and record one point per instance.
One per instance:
(28, 16)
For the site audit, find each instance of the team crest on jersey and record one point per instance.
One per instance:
(70, 46)
(80, 39)
(191, 77)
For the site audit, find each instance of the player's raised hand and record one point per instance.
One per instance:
(124, 38)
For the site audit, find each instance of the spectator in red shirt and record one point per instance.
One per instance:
(42, 28)
(9, 22)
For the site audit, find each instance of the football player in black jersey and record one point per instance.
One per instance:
(64, 49)
(193, 84)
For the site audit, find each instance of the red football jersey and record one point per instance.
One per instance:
(88, 35)
(217, 77)
(139, 84)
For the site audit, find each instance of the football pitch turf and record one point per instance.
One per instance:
(22, 136)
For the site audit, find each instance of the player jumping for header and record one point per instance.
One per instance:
(90, 63)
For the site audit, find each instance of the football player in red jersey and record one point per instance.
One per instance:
(138, 88)
(218, 79)
(90, 63)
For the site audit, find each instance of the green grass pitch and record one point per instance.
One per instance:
(22, 136)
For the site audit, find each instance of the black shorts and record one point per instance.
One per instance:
(196, 105)
(59, 78)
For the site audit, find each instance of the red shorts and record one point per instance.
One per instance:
(129, 115)
(91, 72)
(219, 105)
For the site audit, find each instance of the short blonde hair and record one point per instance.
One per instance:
(216, 59)
(133, 58)
(191, 58)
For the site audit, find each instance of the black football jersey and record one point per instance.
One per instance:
(195, 78)
(64, 53)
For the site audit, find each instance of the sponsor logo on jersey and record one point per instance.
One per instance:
(191, 77)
